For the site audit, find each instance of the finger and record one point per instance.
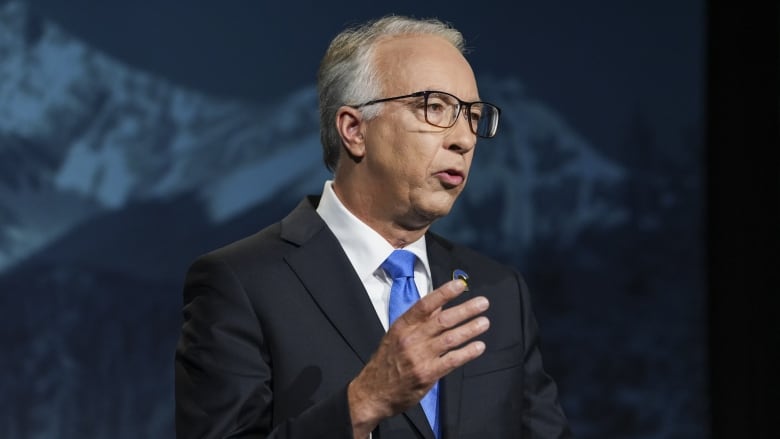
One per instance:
(459, 335)
(436, 299)
(451, 317)
(458, 357)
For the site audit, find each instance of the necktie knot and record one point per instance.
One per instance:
(400, 264)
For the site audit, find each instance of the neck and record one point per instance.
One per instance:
(398, 233)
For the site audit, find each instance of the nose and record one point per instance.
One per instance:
(459, 137)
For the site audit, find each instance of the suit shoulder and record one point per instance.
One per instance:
(267, 248)
(261, 248)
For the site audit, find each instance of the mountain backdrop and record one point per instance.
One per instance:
(113, 179)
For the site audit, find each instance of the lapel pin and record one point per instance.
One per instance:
(462, 275)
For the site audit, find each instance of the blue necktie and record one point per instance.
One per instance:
(403, 294)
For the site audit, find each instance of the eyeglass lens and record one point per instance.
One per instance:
(442, 110)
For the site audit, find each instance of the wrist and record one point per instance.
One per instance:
(365, 413)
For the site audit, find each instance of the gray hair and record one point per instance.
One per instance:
(347, 74)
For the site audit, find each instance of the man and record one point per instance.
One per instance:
(301, 331)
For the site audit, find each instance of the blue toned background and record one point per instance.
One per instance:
(136, 135)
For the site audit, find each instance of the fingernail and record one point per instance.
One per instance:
(456, 285)
(482, 303)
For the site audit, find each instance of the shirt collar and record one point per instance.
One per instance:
(365, 248)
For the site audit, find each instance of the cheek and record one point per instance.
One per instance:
(424, 168)
(415, 161)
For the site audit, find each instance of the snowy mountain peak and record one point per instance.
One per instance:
(114, 135)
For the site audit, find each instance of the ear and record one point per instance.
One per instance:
(349, 122)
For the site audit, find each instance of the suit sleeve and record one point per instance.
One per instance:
(543, 416)
(223, 380)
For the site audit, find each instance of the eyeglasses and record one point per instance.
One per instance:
(442, 109)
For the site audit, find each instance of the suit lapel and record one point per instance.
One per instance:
(442, 265)
(325, 271)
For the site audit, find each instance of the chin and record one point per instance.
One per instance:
(435, 209)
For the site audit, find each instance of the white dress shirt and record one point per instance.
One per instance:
(367, 250)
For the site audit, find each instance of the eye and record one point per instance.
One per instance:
(436, 106)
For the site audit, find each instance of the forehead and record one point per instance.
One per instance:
(411, 63)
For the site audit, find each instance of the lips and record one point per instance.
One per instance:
(450, 177)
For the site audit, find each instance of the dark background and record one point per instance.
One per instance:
(635, 184)
(743, 234)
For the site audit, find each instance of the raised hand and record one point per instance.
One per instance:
(423, 345)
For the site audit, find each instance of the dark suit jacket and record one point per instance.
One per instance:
(276, 326)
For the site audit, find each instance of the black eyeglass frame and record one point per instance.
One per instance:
(461, 104)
